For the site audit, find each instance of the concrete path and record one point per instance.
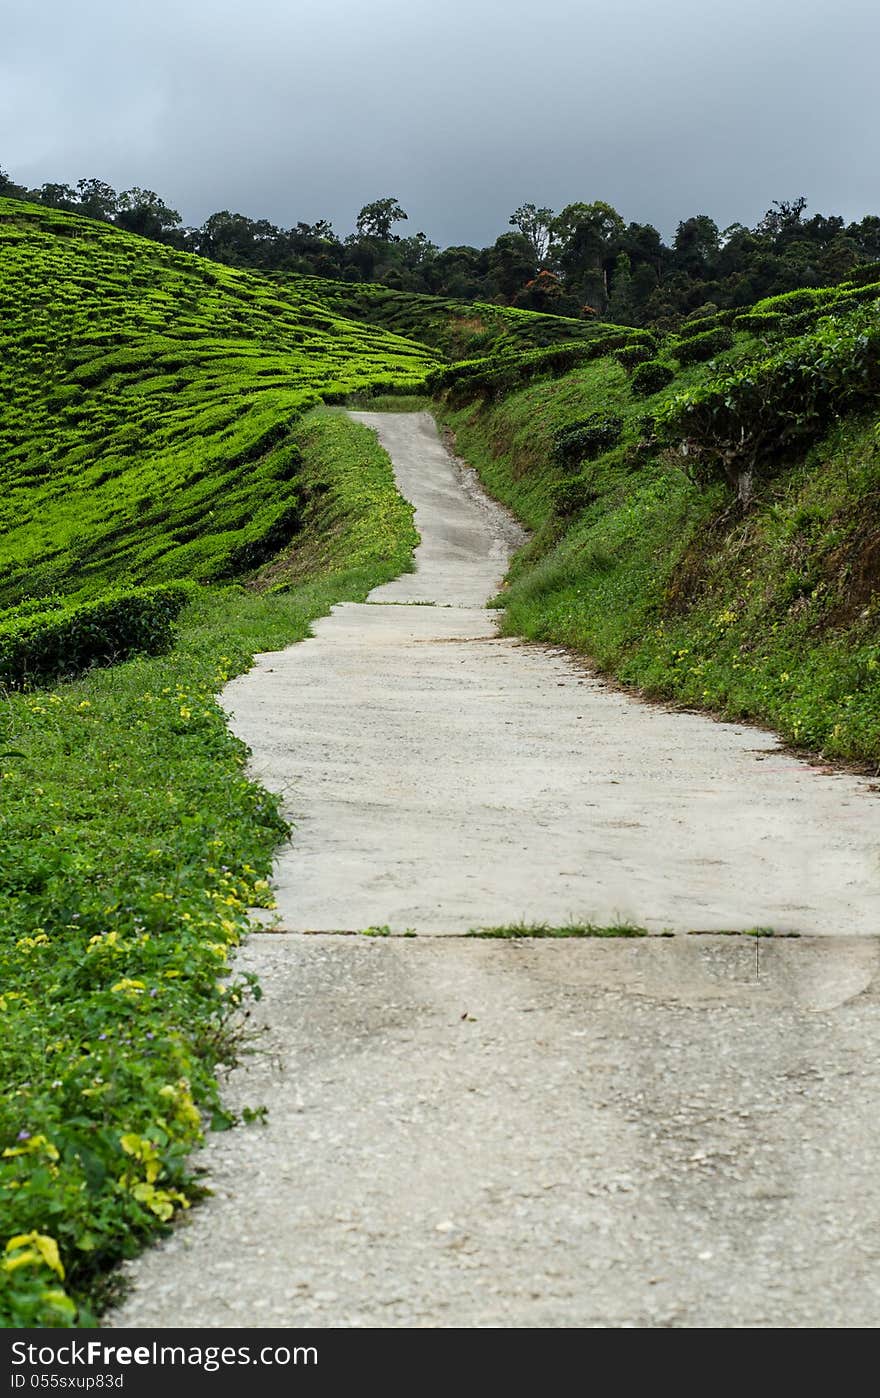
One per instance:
(675, 1131)
(665, 1132)
(441, 777)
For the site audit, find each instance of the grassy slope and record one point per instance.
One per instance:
(772, 617)
(148, 403)
(130, 846)
(457, 329)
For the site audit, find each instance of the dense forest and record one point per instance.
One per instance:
(583, 261)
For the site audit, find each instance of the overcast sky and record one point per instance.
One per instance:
(463, 109)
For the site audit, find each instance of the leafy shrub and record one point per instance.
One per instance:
(797, 312)
(630, 355)
(705, 346)
(742, 424)
(645, 337)
(701, 324)
(287, 462)
(650, 377)
(845, 300)
(500, 374)
(760, 322)
(579, 441)
(805, 298)
(572, 496)
(39, 646)
(858, 295)
(29, 606)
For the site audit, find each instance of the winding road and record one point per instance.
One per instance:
(672, 1131)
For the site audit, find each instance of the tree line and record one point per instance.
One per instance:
(583, 261)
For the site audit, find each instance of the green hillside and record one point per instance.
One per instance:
(706, 517)
(707, 521)
(157, 426)
(149, 399)
(456, 329)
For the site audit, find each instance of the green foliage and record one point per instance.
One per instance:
(377, 219)
(704, 346)
(747, 421)
(650, 377)
(760, 322)
(773, 615)
(865, 275)
(573, 495)
(498, 375)
(535, 225)
(456, 329)
(259, 547)
(700, 324)
(795, 312)
(579, 441)
(131, 846)
(150, 400)
(791, 302)
(63, 641)
(631, 355)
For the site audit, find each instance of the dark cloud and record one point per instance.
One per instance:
(300, 110)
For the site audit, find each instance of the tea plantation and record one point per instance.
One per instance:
(157, 428)
(176, 495)
(149, 401)
(706, 510)
(456, 329)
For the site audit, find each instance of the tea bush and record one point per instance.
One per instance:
(36, 646)
(701, 324)
(650, 377)
(572, 496)
(579, 441)
(631, 355)
(704, 346)
(760, 322)
(746, 422)
(795, 312)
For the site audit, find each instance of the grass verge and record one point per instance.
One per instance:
(772, 617)
(131, 845)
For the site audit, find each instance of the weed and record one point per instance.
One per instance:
(572, 929)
